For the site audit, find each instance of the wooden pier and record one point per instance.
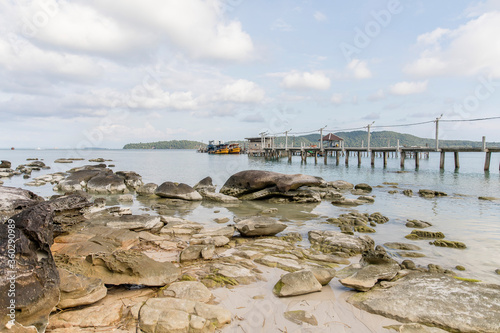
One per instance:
(403, 153)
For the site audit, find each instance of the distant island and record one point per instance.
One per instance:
(351, 139)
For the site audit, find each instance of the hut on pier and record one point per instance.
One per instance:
(256, 145)
(332, 140)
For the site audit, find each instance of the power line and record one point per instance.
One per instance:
(476, 119)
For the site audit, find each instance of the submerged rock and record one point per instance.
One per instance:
(448, 243)
(402, 246)
(418, 224)
(300, 316)
(363, 187)
(429, 299)
(260, 226)
(340, 185)
(177, 191)
(431, 193)
(421, 234)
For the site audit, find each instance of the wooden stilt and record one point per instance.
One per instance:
(487, 161)
(359, 158)
(457, 161)
(347, 158)
(441, 161)
(373, 159)
(403, 156)
(337, 157)
(384, 154)
(417, 159)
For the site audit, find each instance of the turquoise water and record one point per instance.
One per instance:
(461, 216)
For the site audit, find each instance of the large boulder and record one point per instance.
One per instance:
(5, 164)
(436, 300)
(106, 183)
(27, 268)
(76, 181)
(205, 185)
(13, 199)
(333, 241)
(132, 179)
(297, 283)
(177, 191)
(249, 181)
(259, 226)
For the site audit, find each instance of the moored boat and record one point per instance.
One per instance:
(234, 148)
(222, 149)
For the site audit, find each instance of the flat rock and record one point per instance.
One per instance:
(177, 191)
(402, 246)
(300, 316)
(190, 290)
(217, 197)
(368, 276)
(194, 252)
(241, 274)
(135, 222)
(290, 265)
(77, 290)
(429, 299)
(15, 199)
(297, 283)
(260, 226)
(340, 185)
(129, 267)
(333, 241)
(431, 193)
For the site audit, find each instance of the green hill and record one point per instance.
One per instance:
(173, 144)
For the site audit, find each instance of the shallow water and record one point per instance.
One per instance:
(460, 216)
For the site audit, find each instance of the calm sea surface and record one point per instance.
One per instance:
(461, 216)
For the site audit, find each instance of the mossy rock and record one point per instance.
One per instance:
(188, 277)
(277, 287)
(219, 280)
(421, 234)
(460, 268)
(364, 229)
(447, 243)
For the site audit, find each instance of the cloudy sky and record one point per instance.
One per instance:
(108, 72)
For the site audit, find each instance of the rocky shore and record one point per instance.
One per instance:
(82, 264)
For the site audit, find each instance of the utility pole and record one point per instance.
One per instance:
(286, 139)
(437, 131)
(368, 141)
(262, 139)
(321, 138)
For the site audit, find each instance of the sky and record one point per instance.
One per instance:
(103, 73)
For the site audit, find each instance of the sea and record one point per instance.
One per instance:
(461, 215)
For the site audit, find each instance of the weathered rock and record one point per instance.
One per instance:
(418, 224)
(126, 198)
(286, 264)
(302, 195)
(132, 179)
(179, 227)
(5, 164)
(177, 191)
(340, 185)
(221, 220)
(408, 193)
(323, 275)
(421, 234)
(249, 181)
(227, 231)
(129, 267)
(217, 197)
(448, 243)
(147, 189)
(297, 283)
(402, 246)
(205, 185)
(162, 315)
(217, 241)
(194, 252)
(68, 210)
(29, 271)
(333, 241)
(429, 299)
(190, 290)
(79, 290)
(363, 187)
(135, 222)
(106, 183)
(77, 180)
(260, 226)
(431, 193)
(13, 200)
(236, 272)
(376, 265)
(300, 316)
(328, 258)
(63, 160)
(348, 202)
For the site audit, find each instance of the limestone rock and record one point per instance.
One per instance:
(297, 283)
(323, 275)
(135, 222)
(177, 191)
(147, 189)
(260, 226)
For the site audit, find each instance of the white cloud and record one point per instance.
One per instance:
(281, 25)
(359, 69)
(306, 80)
(337, 98)
(379, 95)
(408, 88)
(319, 16)
(471, 49)
(242, 91)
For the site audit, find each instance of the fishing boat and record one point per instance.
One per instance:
(234, 148)
(222, 149)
